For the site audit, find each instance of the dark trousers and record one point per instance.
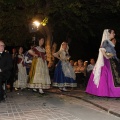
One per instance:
(10, 82)
(27, 70)
(87, 77)
(80, 79)
(12, 77)
(1, 89)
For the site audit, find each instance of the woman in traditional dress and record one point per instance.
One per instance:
(39, 75)
(105, 77)
(22, 74)
(64, 75)
(28, 59)
(14, 71)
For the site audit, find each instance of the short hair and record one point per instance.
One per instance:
(2, 41)
(80, 60)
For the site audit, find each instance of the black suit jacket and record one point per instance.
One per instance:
(5, 65)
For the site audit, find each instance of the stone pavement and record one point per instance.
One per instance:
(111, 105)
(26, 105)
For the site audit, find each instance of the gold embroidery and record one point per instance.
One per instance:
(115, 72)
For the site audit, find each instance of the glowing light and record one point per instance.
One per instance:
(36, 23)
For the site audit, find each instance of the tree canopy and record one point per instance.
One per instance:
(73, 18)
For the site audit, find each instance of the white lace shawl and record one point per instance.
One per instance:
(66, 66)
(100, 61)
(68, 70)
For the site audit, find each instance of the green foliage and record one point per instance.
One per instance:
(45, 21)
(78, 17)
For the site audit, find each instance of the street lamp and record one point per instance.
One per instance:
(35, 27)
(36, 23)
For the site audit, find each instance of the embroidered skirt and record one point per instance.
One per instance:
(39, 74)
(61, 79)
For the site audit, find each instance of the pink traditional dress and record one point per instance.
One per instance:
(105, 77)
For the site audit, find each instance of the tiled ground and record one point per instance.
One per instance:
(111, 105)
(29, 106)
(26, 105)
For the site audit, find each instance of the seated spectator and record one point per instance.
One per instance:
(79, 70)
(85, 65)
(89, 69)
(91, 65)
(75, 65)
(72, 63)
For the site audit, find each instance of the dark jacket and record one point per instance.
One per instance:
(5, 65)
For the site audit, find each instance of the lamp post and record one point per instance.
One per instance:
(35, 26)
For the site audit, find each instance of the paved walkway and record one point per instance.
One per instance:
(111, 105)
(27, 105)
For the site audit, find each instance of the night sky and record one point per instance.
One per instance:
(86, 50)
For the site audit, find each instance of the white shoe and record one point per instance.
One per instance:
(34, 90)
(16, 89)
(3, 86)
(41, 91)
(60, 88)
(64, 89)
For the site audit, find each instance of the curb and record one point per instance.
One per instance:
(97, 105)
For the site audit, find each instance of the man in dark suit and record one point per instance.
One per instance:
(5, 68)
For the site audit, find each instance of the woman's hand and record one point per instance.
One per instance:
(68, 58)
(104, 53)
(109, 55)
(45, 57)
(35, 55)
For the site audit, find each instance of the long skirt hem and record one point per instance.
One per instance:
(107, 87)
(60, 80)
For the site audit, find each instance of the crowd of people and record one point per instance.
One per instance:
(82, 70)
(31, 70)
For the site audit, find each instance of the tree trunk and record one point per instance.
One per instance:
(48, 43)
